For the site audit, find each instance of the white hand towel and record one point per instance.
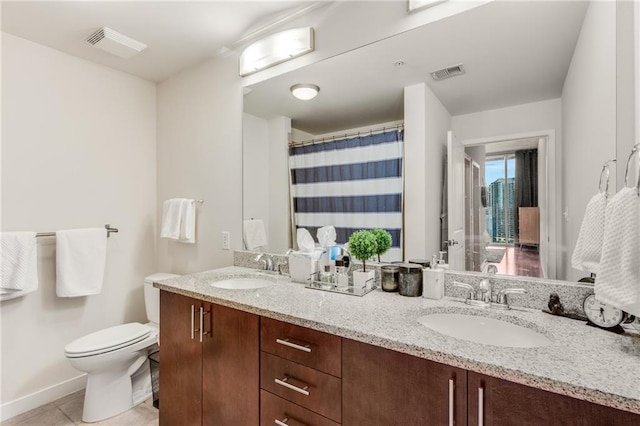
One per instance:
(254, 234)
(586, 255)
(19, 264)
(80, 261)
(618, 280)
(187, 221)
(171, 218)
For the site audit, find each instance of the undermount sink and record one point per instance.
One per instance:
(242, 283)
(488, 331)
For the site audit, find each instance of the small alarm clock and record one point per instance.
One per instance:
(603, 315)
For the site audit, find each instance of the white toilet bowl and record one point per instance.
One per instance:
(111, 358)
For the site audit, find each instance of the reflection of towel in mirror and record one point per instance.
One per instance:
(618, 280)
(586, 255)
(254, 234)
(19, 264)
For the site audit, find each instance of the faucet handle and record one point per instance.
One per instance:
(472, 291)
(501, 299)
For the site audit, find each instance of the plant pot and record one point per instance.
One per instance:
(364, 279)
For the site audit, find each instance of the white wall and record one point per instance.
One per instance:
(78, 150)
(426, 125)
(278, 185)
(255, 170)
(199, 143)
(589, 121)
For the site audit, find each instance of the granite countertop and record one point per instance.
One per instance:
(582, 362)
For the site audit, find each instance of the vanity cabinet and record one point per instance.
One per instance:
(209, 366)
(384, 387)
(497, 402)
(300, 375)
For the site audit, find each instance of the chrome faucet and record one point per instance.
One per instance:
(472, 299)
(485, 286)
(266, 260)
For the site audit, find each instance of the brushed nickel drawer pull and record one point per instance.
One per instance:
(285, 382)
(285, 422)
(193, 313)
(480, 406)
(451, 394)
(287, 342)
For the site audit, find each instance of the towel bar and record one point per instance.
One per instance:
(53, 234)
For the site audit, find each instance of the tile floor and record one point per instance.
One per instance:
(67, 411)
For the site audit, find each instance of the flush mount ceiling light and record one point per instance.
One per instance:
(305, 92)
(275, 49)
(415, 5)
(115, 43)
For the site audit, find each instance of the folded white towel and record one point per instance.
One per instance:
(618, 280)
(80, 261)
(179, 220)
(19, 264)
(171, 218)
(187, 221)
(254, 234)
(586, 255)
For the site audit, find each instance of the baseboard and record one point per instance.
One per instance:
(42, 397)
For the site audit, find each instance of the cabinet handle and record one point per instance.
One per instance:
(201, 330)
(451, 389)
(285, 382)
(193, 313)
(289, 422)
(480, 407)
(287, 342)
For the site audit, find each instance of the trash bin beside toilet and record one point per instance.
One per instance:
(154, 364)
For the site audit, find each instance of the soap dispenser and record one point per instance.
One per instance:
(433, 279)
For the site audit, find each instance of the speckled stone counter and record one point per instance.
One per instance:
(582, 362)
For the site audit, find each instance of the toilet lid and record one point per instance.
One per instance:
(108, 339)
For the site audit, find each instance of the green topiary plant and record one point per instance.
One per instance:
(383, 241)
(363, 245)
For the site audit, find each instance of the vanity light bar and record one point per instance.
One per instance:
(276, 49)
(416, 5)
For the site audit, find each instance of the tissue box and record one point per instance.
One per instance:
(301, 266)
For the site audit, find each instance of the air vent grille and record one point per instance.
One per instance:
(451, 71)
(96, 37)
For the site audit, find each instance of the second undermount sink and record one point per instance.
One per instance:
(242, 283)
(488, 331)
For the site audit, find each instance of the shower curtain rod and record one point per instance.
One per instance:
(346, 135)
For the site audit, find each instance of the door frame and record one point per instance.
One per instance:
(549, 237)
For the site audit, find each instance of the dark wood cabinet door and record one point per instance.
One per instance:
(231, 367)
(383, 387)
(504, 403)
(180, 362)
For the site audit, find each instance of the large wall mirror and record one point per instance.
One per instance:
(533, 112)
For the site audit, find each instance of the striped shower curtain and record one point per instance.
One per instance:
(352, 184)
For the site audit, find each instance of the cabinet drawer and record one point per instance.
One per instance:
(308, 347)
(273, 408)
(312, 389)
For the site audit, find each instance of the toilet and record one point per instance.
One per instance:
(115, 360)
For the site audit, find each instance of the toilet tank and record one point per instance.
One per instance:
(152, 295)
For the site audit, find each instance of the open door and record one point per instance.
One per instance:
(455, 202)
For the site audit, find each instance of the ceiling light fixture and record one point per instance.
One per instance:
(304, 92)
(115, 43)
(275, 49)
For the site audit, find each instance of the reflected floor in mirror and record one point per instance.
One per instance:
(516, 260)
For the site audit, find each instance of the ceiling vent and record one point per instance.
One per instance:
(448, 72)
(115, 43)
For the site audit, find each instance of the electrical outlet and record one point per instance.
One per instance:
(226, 240)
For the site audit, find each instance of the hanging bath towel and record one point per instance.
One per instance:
(586, 255)
(19, 264)
(618, 280)
(81, 256)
